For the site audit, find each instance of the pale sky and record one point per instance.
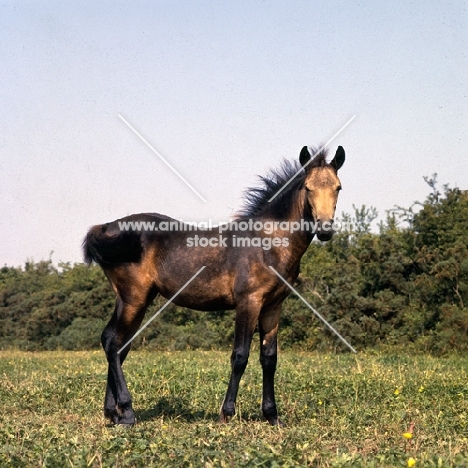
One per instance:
(224, 91)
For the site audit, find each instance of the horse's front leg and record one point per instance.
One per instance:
(246, 319)
(268, 327)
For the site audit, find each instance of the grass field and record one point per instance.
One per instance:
(340, 410)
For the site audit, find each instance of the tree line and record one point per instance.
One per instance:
(404, 285)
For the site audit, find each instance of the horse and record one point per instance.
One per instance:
(209, 268)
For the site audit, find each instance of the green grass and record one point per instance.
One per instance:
(340, 410)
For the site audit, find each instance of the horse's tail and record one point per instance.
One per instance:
(109, 247)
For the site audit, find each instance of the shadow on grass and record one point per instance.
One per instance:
(179, 409)
(174, 408)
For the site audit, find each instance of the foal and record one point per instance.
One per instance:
(142, 258)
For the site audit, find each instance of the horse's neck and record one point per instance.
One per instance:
(298, 243)
(294, 243)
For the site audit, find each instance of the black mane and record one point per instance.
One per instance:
(256, 199)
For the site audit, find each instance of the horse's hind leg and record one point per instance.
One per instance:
(122, 327)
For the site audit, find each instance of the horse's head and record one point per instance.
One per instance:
(322, 186)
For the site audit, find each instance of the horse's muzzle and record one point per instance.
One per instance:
(325, 230)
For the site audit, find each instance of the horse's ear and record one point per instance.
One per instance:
(339, 158)
(304, 157)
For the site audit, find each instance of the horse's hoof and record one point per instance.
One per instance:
(224, 419)
(275, 422)
(112, 417)
(116, 419)
(225, 415)
(127, 421)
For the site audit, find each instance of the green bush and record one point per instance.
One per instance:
(82, 333)
(405, 286)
